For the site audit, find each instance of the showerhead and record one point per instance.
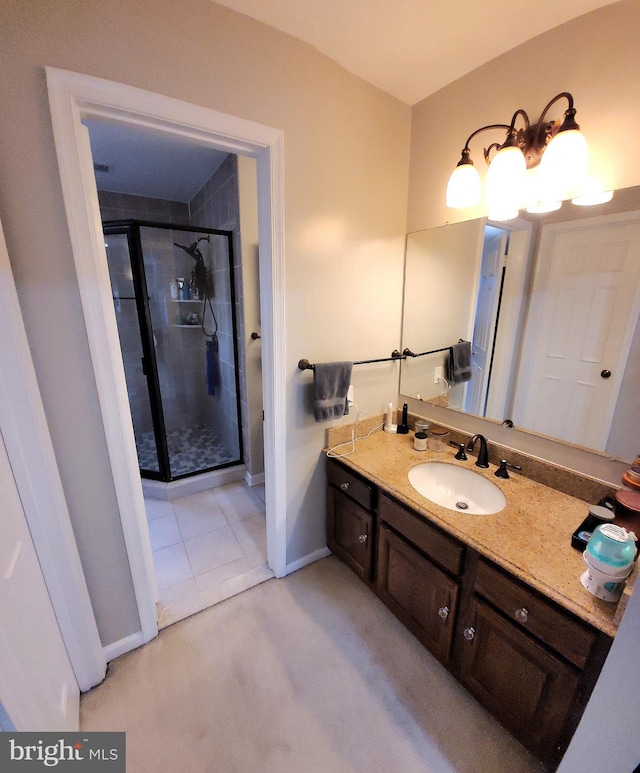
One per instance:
(192, 249)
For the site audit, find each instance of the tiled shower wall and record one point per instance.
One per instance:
(123, 206)
(217, 205)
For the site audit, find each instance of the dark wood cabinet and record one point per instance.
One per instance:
(530, 662)
(350, 524)
(422, 596)
(528, 688)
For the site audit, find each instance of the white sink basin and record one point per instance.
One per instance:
(457, 488)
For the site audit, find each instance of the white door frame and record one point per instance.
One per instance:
(26, 435)
(72, 96)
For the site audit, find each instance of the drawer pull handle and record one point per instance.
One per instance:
(443, 612)
(362, 538)
(469, 634)
(344, 486)
(522, 615)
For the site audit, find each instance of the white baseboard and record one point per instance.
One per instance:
(256, 479)
(308, 559)
(113, 651)
(156, 489)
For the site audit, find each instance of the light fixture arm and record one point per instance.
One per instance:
(466, 150)
(546, 130)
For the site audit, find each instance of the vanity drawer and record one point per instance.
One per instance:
(444, 550)
(544, 620)
(350, 484)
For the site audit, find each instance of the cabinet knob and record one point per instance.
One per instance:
(469, 634)
(344, 486)
(522, 615)
(362, 538)
(443, 612)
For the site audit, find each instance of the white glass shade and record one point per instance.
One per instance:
(538, 199)
(506, 182)
(501, 213)
(540, 207)
(593, 194)
(464, 188)
(564, 165)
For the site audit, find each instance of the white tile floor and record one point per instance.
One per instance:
(207, 547)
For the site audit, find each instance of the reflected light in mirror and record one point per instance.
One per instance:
(593, 194)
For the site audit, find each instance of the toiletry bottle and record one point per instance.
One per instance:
(403, 429)
(420, 441)
(173, 289)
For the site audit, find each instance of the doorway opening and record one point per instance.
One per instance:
(73, 98)
(180, 288)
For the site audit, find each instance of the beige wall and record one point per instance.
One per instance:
(346, 172)
(595, 57)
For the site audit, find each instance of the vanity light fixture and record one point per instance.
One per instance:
(536, 168)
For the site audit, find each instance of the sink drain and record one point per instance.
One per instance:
(462, 506)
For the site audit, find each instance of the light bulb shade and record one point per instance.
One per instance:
(593, 194)
(464, 188)
(564, 165)
(500, 213)
(506, 181)
(539, 200)
(540, 207)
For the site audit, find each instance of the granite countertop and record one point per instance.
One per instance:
(530, 538)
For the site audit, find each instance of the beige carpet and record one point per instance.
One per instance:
(302, 675)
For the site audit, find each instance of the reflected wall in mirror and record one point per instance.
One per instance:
(551, 305)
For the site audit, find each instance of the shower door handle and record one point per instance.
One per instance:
(143, 360)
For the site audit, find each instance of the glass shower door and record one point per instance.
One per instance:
(125, 300)
(173, 290)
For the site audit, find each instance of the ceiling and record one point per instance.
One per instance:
(412, 48)
(144, 162)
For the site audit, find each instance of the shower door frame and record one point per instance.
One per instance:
(131, 227)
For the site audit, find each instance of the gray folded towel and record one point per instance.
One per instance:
(331, 382)
(459, 366)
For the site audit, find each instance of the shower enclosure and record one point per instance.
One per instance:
(173, 294)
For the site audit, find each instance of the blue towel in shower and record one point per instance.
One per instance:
(331, 382)
(212, 364)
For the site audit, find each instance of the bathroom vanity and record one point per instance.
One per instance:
(495, 598)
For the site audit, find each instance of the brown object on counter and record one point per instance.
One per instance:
(627, 510)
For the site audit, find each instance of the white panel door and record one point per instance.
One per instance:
(586, 295)
(484, 328)
(38, 689)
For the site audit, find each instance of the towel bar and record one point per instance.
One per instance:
(395, 355)
(409, 353)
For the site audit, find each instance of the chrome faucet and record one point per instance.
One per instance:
(483, 453)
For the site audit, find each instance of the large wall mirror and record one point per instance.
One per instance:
(550, 304)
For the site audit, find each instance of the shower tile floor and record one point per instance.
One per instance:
(207, 547)
(190, 449)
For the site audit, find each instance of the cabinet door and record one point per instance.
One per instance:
(422, 596)
(526, 687)
(349, 533)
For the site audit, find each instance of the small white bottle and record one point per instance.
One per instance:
(173, 289)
